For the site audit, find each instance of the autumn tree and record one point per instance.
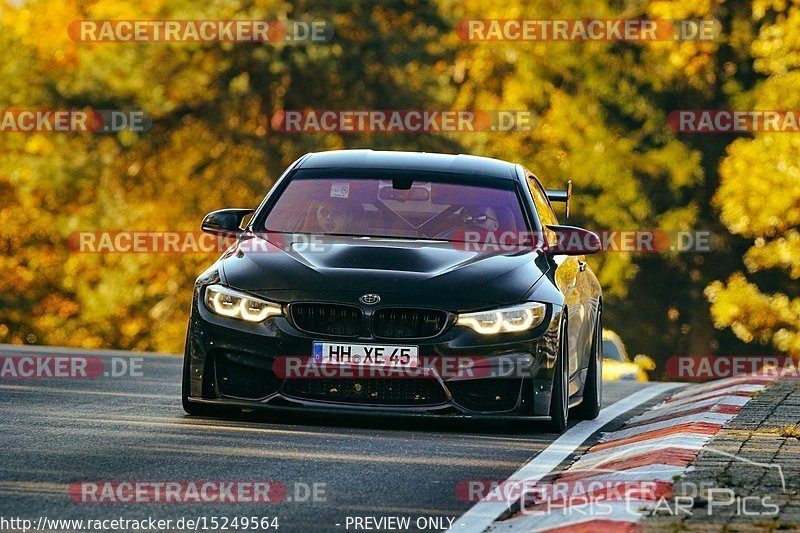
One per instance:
(210, 146)
(759, 196)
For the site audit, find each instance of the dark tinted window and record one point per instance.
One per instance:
(342, 203)
(546, 214)
(611, 351)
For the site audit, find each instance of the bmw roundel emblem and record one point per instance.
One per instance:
(370, 299)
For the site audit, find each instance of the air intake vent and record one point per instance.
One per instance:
(406, 323)
(327, 319)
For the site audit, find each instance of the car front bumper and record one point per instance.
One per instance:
(231, 362)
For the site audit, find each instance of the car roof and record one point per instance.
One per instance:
(421, 161)
(609, 335)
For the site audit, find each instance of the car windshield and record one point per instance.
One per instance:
(395, 205)
(611, 351)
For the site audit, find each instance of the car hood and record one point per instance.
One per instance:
(439, 274)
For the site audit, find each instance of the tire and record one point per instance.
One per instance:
(559, 399)
(196, 409)
(593, 391)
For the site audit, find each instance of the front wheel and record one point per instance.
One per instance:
(559, 398)
(592, 402)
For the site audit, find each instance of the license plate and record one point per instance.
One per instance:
(366, 355)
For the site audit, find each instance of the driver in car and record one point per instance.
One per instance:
(332, 217)
(326, 216)
(484, 218)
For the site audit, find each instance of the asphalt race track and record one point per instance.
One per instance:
(59, 431)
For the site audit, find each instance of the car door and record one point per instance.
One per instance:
(571, 280)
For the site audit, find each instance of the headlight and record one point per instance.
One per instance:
(234, 304)
(508, 319)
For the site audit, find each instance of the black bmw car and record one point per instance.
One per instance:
(398, 283)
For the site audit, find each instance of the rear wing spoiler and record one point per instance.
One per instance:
(561, 195)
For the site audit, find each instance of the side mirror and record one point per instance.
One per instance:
(225, 221)
(644, 362)
(571, 240)
(561, 195)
